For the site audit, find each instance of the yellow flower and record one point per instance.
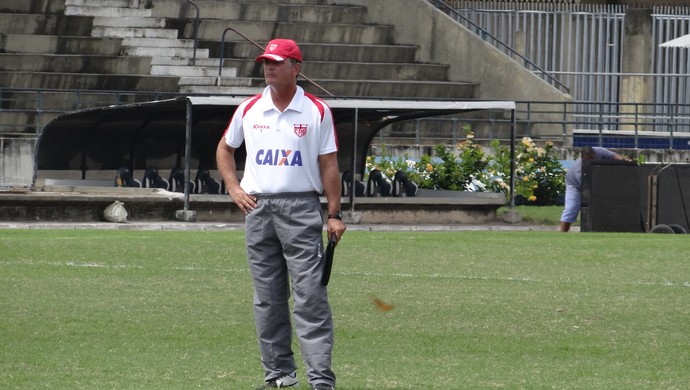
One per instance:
(525, 178)
(532, 198)
(531, 160)
(429, 167)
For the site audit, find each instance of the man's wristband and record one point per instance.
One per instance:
(336, 215)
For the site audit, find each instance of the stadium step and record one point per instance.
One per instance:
(334, 52)
(54, 44)
(362, 34)
(191, 71)
(129, 22)
(45, 24)
(32, 6)
(353, 70)
(124, 32)
(95, 10)
(93, 81)
(158, 42)
(260, 11)
(349, 88)
(59, 101)
(105, 3)
(144, 51)
(74, 63)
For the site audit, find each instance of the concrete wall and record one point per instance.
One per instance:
(17, 162)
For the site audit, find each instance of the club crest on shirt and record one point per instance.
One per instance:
(300, 129)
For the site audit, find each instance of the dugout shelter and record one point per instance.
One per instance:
(184, 132)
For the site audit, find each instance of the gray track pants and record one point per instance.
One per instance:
(285, 246)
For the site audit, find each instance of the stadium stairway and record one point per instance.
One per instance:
(147, 46)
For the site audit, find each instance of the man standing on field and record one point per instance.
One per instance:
(291, 158)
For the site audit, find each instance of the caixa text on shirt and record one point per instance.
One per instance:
(279, 157)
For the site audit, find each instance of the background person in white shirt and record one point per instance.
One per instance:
(291, 148)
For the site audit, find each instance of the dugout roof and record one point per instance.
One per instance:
(155, 133)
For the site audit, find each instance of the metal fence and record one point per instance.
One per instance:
(637, 125)
(634, 122)
(582, 46)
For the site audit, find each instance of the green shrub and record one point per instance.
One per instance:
(539, 176)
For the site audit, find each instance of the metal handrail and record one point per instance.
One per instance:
(484, 34)
(195, 32)
(222, 57)
(664, 120)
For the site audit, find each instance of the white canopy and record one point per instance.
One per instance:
(682, 41)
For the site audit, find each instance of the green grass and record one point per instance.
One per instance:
(540, 215)
(473, 310)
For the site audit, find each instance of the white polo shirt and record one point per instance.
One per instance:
(282, 148)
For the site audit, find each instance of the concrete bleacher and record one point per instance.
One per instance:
(137, 45)
(387, 49)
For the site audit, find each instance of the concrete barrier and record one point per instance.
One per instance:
(70, 203)
(16, 169)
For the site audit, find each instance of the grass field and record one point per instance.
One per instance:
(540, 215)
(89, 309)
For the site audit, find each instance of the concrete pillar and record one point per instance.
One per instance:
(636, 61)
(17, 165)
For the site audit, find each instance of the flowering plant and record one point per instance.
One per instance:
(444, 171)
(539, 176)
(451, 171)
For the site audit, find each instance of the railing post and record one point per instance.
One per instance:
(195, 31)
(512, 158)
(39, 110)
(222, 55)
(565, 123)
(416, 131)
(601, 124)
(671, 126)
(637, 109)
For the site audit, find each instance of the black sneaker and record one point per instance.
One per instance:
(288, 380)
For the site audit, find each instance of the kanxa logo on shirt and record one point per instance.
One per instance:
(300, 129)
(258, 126)
(278, 157)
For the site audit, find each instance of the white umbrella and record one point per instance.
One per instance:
(683, 41)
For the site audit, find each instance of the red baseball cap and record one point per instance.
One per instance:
(280, 49)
